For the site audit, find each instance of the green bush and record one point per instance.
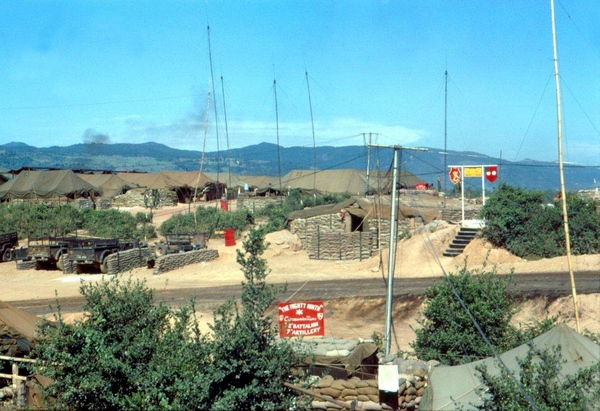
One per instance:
(517, 220)
(208, 219)
(129, 353)
(447, 332)
(539, 377)
(110, 224)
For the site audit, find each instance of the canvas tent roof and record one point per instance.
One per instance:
(110, 184)
(325, 181)
(150, 180)
(381, 181)
(169, 180)
(349, 181)
(47, 184)
(190, 179)
(367, 207)
(460, 382)
(17, 330)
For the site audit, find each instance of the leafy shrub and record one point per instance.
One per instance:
(208, 219)
(110, 224)
(129, 353)
(447, 332)
(517, 220)
(539, 377)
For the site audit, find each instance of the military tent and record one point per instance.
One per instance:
(110, 184)
(151, 180)
(190, 179)
(47, 184)
(17, 330)
(450, 388)
(349, 181)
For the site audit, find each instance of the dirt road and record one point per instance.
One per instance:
(552, 285)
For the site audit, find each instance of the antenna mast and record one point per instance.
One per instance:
(312, 122)
(562, 177)
(277, 126)
(212, 77)
(227, 135)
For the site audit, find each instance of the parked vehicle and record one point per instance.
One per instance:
(94, 252)
(46, 250)
(180, 243)
(8, 242)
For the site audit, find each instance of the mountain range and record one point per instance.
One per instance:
(267, 159)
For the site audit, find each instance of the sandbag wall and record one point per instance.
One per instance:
(325, 237)
(255, 203)
(135, 198)
(127, 260)
(174, 261)
(455, 214)
(411, 387)
(341, 246)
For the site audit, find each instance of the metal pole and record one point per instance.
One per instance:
(368, 165)
(390, 289)
(462, 192)
(445, 134)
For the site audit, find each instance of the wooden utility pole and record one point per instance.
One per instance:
(562, 177)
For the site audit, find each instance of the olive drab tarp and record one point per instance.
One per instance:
(350, 181)
(450, 388)
(17, 330)
(47, 184)
(110, 184)
(374, 208)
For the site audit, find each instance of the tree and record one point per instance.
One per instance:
(447, 332)
(130, 353)
(518, 220)
(249, 364)
(539, 377)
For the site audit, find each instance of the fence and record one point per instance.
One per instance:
(17, 388)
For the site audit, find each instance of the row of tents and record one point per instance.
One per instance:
(28, 184)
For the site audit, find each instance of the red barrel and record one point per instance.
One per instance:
(229, 237)
(224, 205)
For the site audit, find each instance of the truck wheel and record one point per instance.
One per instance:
(60, 263)
(7, 255)
(104, 266)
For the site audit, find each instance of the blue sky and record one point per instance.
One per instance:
(139, 71)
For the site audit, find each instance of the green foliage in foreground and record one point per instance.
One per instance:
(447, 333)
(539, 377)
(517, 220)
(129, 353)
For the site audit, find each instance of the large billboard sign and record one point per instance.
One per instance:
(301, 319)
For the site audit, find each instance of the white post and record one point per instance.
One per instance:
(483, 184)
(462, 192)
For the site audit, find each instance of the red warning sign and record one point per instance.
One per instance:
(454, 174)
(491, 174)
(301, 319)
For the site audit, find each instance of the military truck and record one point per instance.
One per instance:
(47, 251)
(179, 243)
(94, 252)
(8, 242)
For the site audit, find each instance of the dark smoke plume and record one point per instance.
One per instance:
(91, 137)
